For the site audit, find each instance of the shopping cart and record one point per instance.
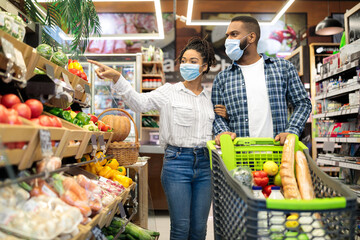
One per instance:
(238, 215)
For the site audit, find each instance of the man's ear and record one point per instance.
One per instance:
(252, 37)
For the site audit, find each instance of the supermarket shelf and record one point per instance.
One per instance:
(150, 115)
(150, 128)
(330, 169)
(148, 89)
(338, 113)
(152, 63)
(321, 145)
(344, 90)
(338, 139)
(152, 75)
(337, 163)
(339, 70)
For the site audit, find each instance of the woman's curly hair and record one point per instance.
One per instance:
(203, 47)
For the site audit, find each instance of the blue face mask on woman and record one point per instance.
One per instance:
(232, 48)
(189, 71)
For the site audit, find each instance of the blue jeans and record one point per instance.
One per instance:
(186, 180)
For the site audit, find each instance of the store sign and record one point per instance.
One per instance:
(96, 231)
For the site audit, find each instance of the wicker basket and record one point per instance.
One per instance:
(126, 153)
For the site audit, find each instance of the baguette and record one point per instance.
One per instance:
(303, 177)
(287, 172)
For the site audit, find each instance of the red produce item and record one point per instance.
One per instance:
(20, 145)
(14, 120)
(35, 106)
(55, 121)
(83, 76)
(267, 190)
(93, 118)
(36, 121)
(10, 100)
(75, 71)
(260, 178)
(45, 121)
(23, 110)
(3, 114)
(101, 125)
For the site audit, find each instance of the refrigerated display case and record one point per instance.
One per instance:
(103, 94)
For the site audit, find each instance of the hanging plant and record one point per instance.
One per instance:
(78, 18)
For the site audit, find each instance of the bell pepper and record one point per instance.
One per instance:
(93, 118)
(122, 170)
(75, 121)
(98, 167)
(93, 168)
(106, 172)
(260, 178)
(84, 158)
(55, 111)
(113, 163)
(101, 161)
(72, 114)
(125, 181)
(66, 116)
(83, 117)
(87, 168)
(267, 190)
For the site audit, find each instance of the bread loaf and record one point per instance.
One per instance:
(287, 172)
(303, 177)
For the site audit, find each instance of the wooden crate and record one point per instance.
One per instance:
(76, 133)
(19, 133)
(108, 214)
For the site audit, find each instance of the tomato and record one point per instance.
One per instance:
(3, 114)
(100, 125)
(35, 120)
(56, 122)
(35, 106)
(260, 178)
(93, 118)
(45, 121)
(23, 110)
(83, 76)
(19, 145)
(10, 100)
(267, 190)
(14, 120)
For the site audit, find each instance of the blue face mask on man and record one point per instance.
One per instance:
(189, 71)
(233, 50)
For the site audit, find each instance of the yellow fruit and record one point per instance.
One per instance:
(291, 221)
(271, 168)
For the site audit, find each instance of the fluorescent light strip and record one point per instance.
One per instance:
(226, 23)
(140, 36)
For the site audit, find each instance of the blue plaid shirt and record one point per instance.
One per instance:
(283, 85)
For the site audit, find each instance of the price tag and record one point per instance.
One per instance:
(93, 144)
(66, 78)
(87, 89)
(19, 59)
(96, 231)
(329, 146)
(45, 142)
(122, 210)
(102, 143)
(50, 71)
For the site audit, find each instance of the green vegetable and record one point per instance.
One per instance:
(66, 116)
(122, 236)
(56, 111)
(59, 58)
(58, 183)
(75, 121)
(128, 236)
(38, 71)
(110, 237)
(135, 231)
(83, 117)
(25, 186)
(44, 50)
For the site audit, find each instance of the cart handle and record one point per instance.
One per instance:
(306, 205)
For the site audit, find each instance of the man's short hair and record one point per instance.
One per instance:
(250, 23)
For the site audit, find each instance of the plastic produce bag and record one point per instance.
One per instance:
(242, 175)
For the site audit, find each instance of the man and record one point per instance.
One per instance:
(256, 89)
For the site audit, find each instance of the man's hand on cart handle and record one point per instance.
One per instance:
(217, 138)
(281, 137)
(105, 72)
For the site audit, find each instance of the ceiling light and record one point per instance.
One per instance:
(329, 26)
(140, 36)
(189, 20)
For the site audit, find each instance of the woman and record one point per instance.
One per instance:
(186, 117)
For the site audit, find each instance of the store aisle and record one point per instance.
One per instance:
(162, 222)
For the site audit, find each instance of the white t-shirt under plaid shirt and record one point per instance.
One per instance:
(185, 118)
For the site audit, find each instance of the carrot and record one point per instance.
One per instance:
(86, 183)
(72, 185)
(95, 205)
(72, 199)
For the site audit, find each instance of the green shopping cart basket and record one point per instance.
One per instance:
(238, 215)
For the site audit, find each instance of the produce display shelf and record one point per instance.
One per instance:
(337, 163)
(344, 90)
(338, 71)
(338, 113)
(152, 75)
(338, 139)
(150, 128)
(151, 115)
